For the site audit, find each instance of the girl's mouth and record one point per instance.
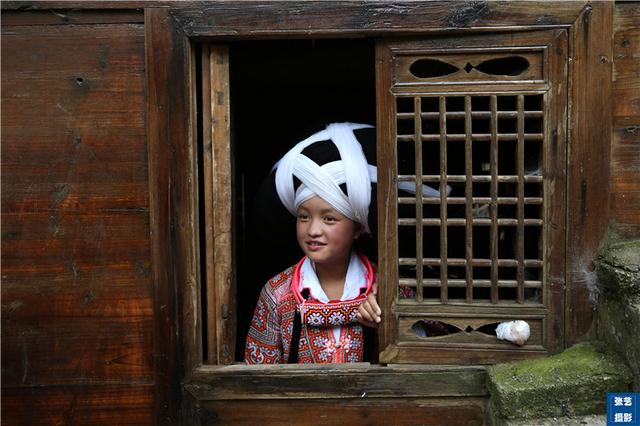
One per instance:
(314, 245)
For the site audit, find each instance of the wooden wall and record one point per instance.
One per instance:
(77, 291)
(625, 149)
(77, 320)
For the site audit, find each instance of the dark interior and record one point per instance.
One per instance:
(281, 93)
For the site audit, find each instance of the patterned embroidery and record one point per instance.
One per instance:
(261, 355)
(325, 349)
(270, 333)
(320, 314)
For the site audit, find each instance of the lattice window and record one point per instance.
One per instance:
(481, 123)
(485, 148)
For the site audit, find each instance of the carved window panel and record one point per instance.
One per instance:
(476, 127)
(471, 67)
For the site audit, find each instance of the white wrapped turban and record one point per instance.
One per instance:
(324, 181)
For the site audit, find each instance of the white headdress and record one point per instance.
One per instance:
(324, 181)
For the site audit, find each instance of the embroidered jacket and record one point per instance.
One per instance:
(269, 338)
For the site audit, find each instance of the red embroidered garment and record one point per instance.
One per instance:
(269, 338)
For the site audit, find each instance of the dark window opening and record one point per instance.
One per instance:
(281, 92)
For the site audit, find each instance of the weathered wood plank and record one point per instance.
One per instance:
(54, 149)
(222, 184)
(79, 197)
(478, 356)
(94, 300)
(51, 351)
(117, 274)
(63, 5)
(72, 17)
(162, 121)
(61, 226)
(555, 187)
(87, 405)
(588, 159)
(387, 217)
(118, 172)
(69, 283)
(625, 149)
(76, 294)
(361, 411)
(107, 59)
(313, 18)
(270, 382)
(52, 145)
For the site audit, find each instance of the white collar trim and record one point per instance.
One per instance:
(355, 280)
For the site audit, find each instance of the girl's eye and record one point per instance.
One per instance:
(330, 219)
(302, 217)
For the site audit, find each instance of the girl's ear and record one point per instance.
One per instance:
(359, 231)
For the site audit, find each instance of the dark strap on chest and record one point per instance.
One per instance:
(295, 339)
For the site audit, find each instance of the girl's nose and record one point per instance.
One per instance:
(315, 227)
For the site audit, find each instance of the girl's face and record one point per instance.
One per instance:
(325, 235)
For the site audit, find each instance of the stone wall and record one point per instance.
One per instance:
(618, 313)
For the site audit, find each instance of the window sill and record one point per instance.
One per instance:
(364, 380)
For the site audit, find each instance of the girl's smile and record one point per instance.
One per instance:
(314, 245)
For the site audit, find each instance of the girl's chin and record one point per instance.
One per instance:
(319, 259)
(314, 255)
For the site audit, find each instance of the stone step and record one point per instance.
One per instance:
(572, 383)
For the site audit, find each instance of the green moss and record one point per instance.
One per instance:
(618, 268)
(617, 324)
(574, 382)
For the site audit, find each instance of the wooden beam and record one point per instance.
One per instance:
(625, 149)
(333, 18)
(336, 381)
(164, 123)
(400, 412)
(590, 134)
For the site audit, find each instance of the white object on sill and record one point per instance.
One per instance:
(517, 332)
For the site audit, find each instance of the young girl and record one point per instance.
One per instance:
(312, 312)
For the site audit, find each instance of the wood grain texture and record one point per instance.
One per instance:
(76, 282)
(218, 205)
(387, 217)
(255, 19)
(91, 5)
(165, 126)
(86, 405)
(76, 351)
(625, 149)
(72, 17)
(357, 411)
(551, 46)
(556, 203)
(589, 145)
(336, 381)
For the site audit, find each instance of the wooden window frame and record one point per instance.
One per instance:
(171, 34)
(398, 341)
